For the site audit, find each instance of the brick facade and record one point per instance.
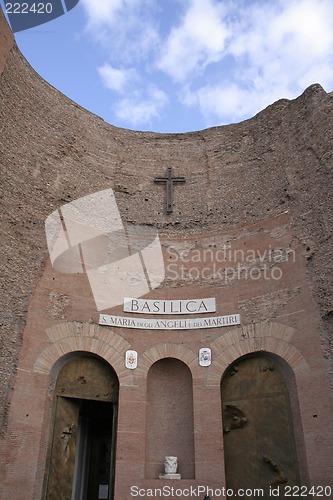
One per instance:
(261, 187)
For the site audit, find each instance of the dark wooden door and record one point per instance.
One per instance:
(81, 457)
(63, 450)
(258, 433)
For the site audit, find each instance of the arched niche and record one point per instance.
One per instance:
(258, 425)
(81, 455)
(169, 424)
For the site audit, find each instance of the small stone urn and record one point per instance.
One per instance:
(170, 465)
(170, 468)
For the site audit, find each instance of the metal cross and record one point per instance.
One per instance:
(169, 180)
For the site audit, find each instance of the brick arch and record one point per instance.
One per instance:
(73, 337)
(160, 351)
(269, 337)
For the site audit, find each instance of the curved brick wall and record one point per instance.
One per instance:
(52, 151)
(6, 41)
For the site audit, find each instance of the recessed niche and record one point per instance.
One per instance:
(169, 423)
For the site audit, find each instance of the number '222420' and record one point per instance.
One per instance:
(25, 8)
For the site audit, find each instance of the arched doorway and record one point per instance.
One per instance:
(169, 424)
(81, 457)
(259, 444)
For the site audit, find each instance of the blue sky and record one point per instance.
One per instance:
(183, 65)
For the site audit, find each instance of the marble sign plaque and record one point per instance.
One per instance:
(169, 323)
(160, 306)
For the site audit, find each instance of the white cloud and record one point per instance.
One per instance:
(124, 28)
(276, 50)
(125, 31)
(224, 103)
(117, 79)
(197, 41)
(102, 11)
(294, 30)
(305, 25)
(228, 59)
(140, 108)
